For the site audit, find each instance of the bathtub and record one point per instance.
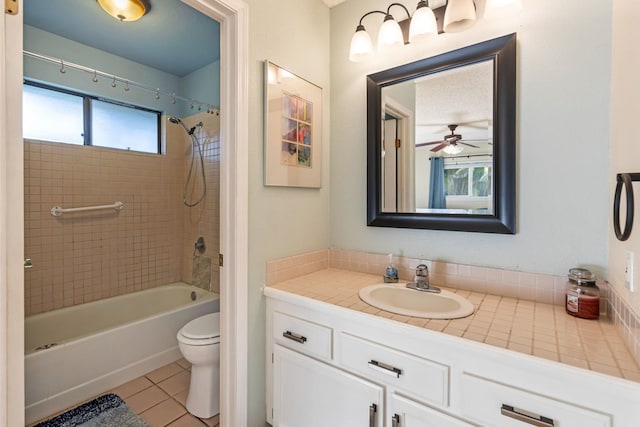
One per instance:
(74, 353)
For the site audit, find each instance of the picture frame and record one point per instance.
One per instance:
(293, 130)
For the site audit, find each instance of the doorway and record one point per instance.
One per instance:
(233, 16)
(398, 181)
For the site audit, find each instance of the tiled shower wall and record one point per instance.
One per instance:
(203, 220)
(82, 257)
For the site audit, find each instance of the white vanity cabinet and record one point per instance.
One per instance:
(309, 393)
(306, 390)
(327, 365)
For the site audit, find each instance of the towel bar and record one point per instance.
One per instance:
(627, 180)
(58, 211)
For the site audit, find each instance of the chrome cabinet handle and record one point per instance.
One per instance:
(385, 369)
(372, 414)
(395, 420)
(526, 417)
(295, 337)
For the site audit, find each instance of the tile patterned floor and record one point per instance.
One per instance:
(159, 397)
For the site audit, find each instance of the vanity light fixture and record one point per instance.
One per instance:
(125, 10)
(391, 33)
(430, 18)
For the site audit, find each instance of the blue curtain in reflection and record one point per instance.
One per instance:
(436, 184)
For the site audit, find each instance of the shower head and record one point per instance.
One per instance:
(176, 120)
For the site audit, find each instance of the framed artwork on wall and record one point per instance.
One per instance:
(293, 130)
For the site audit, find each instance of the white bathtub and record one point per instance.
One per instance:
(101, 344)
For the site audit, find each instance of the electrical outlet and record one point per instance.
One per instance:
(628, 271)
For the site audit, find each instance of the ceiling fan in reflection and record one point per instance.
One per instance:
(451, 144)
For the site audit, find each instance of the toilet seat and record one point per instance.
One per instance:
(204, 330)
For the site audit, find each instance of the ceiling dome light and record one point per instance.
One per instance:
(453, 149)
(390, 34)
(459, 15)
(423, 23)
(125, 10)
(361, 46)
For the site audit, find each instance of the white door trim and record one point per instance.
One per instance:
(234, 25)
(11, 224)
(406, 162)
(233, 16)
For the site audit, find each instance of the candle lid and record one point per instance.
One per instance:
(582, 276)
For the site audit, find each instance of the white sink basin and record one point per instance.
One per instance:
(410, 302)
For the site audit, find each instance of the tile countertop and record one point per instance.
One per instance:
(533, 328)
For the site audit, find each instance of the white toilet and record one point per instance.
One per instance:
(199, 342)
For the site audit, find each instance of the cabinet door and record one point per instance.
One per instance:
(308, 393)
(407, 413)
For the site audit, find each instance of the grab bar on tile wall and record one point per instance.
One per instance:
(627, 180)
(58, 211)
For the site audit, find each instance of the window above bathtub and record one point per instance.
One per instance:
(57, 115)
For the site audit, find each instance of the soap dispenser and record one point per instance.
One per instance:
(391, 272)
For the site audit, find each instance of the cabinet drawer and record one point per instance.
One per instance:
(301, 335)
(483, 400)
(422, 379)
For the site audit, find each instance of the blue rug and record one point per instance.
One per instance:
(105, 411)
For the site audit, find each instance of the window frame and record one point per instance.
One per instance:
(470, 166)
(88, 116)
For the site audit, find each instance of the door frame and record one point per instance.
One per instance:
(233, 16)
(405, 156)
(11, 223)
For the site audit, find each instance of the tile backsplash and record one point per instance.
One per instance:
(536, 287)
(626, 321)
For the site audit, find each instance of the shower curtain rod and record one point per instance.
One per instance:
(211, 109)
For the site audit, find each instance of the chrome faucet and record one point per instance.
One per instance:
(421, 280)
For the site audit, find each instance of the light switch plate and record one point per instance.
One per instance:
(629, 270)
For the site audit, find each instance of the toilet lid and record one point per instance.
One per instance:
(207, 326)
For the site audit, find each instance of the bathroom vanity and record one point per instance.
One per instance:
(331, 365)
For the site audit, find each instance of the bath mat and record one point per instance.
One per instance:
(105, 411)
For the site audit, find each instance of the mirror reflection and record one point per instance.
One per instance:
(441, 141)
(437, 142)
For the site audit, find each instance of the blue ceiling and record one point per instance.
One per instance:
(171, 37)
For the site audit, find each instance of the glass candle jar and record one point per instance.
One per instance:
(583, 295)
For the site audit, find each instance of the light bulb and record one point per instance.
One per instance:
(390, 34)
(423, 23)
(459, 16)
(361, 45)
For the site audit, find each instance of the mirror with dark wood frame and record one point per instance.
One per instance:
(458, 108)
